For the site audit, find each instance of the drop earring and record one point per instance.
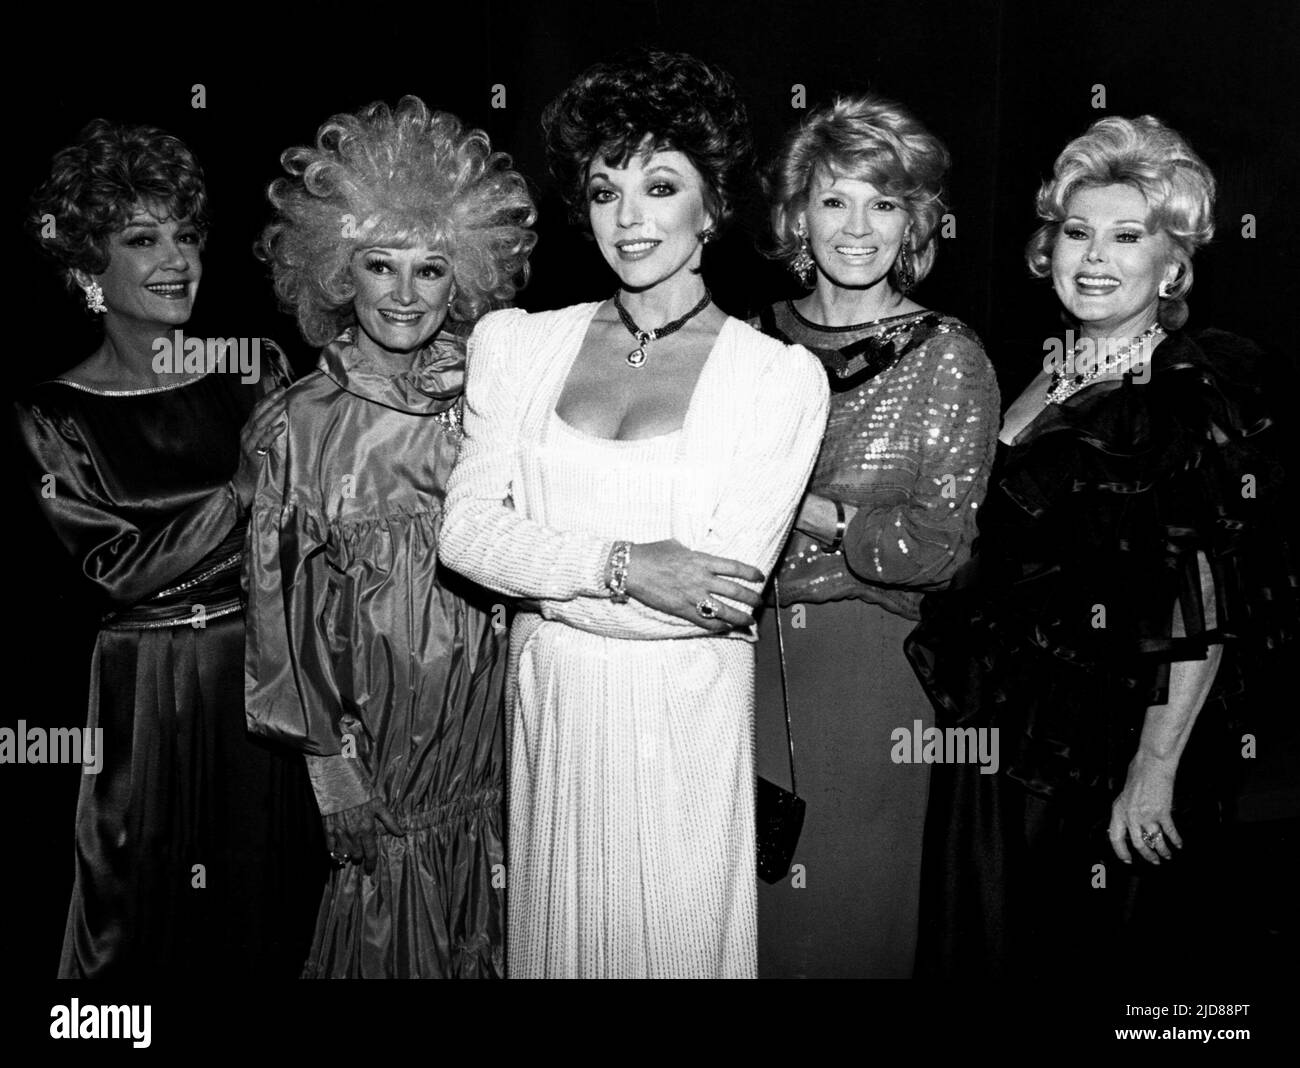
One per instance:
(802, 264)
(904, 270)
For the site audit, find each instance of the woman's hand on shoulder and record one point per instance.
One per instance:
(266, 422)
(671, 578)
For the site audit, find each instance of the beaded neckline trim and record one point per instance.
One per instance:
(127, 392)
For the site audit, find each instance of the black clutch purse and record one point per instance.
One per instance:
(778, 812)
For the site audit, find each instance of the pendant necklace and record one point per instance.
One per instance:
(637, 357)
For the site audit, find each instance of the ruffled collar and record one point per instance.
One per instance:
(433, 384)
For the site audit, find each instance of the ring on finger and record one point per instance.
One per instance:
(262, 452)
(339, 859)
(1152, 837)
(708, 608)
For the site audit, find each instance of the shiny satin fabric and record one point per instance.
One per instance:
(196, 846)
(363, 651)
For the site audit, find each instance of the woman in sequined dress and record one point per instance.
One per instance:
(1131, 562)
(194, 842)
(395, 231)
(889, 514)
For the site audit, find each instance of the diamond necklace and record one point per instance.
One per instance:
(636, 358)
(1062, 388)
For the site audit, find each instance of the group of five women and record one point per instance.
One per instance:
(614, 484)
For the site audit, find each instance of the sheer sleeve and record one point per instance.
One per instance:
(127, 562)
(922, 538)
(769, 473)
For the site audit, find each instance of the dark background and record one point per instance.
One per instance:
(1004, 84)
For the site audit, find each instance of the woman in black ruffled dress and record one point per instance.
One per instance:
(1126, 563)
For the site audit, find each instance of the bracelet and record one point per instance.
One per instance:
(616, 571)
(840, 525)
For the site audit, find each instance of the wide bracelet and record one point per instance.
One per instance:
(616, 571)
(841, 524)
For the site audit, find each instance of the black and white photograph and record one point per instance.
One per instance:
(652, 490)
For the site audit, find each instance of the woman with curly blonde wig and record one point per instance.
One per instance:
(394, 232)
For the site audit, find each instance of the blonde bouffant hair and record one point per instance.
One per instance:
(1152, 158)
(397, 178)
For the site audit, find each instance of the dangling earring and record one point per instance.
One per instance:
(904, 270)
(803, 265)
(94, 297)
(1172, 312)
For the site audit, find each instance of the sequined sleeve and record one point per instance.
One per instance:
(917, 534)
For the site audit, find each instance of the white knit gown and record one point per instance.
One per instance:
(631, 842)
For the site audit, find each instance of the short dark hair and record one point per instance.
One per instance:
(671, 100)
(95, 182)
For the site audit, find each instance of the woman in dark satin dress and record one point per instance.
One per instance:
(384, 667)
(193, 840)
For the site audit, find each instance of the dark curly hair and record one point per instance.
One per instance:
(96, 182)
(403, 177)
(671, 99)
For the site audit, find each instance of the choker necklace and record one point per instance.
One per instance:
(1064, 386)
(636, 358)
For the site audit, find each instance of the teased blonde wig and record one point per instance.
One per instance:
(400, 178)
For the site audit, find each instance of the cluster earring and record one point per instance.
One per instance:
(707, 234)
(94, 298)
(802, 264)
(904, 269)
(1172, 311)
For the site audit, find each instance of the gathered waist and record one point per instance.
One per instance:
(209, 592)
(438, 815)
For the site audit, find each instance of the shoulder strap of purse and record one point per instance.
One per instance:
(785, 688)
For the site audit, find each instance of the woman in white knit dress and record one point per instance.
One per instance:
(632, 467)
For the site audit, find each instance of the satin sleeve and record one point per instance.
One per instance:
(125, 560)
(291, 694)
(922, 538)
(483, 537)
(763, 488)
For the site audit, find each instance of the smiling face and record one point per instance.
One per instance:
(1107, 267)
(647, 216)
(153, 269)
(401, 300)
(854, 231)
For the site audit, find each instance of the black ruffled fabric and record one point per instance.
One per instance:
(1089, 536)
(1058, 631)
